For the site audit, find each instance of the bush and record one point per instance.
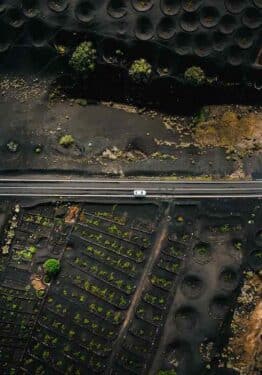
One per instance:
(140, 71)
(83, 59)
(38, 149)
(40, 293)
(61, 49)
(166, 372)
(66, 140)
(195, 75)
(12, 146)
(51, 267)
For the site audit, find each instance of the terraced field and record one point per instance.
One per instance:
(142, 287)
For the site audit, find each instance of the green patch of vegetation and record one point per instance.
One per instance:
(201, 115)
(61, 49)
(38, 149)
(38, 219)
(111, 217)
(161, 282)
(195, 75)
(111, 244)
(140, 71)
(224, 228)
(26, 254)
(47, 279)
(162, 156)
(174, 251)
(52, 266)
(105, 294)
(169, 266)
(228, 276)
(238, 245)
(154, 300)
(115, 230)
(12, 146)
(202, 249)
(83, 59)
(166, 372)
(120, 264)
(82, 102)
(66, 140)
(180, 219)
(40, 293)
(119, 53)
(110, 277)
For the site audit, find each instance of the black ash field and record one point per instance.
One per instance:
(130, 88)
(141, 287)
(45, 129)
(172, 34)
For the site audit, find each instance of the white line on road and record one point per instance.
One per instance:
(128, 188)
(130, 196)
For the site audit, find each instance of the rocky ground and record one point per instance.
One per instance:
(112, 138)
(243, 352)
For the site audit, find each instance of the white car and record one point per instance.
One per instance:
(139, 193)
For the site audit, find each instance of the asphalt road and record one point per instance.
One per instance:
(120, 188)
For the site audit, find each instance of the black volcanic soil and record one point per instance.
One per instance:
(221, 36)
(143, 286)
(110, 138)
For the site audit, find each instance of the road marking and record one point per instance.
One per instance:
(188, 196)
(125, 188)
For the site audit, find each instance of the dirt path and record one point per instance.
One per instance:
(160, 238)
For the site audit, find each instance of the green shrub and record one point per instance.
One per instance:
(83, 59)
(38, 149)
(195, 75)
(12, 146)
(166, 372)
(40, 293)
(61, 49)
(140, 71)
(66, 140)
(51, 267)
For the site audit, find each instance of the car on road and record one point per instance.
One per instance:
(139, 193)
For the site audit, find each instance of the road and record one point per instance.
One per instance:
(123, 188)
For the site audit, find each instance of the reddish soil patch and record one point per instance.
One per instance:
(37, 283)
(244, 350)
(71, 215)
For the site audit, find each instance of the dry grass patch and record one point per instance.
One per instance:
(230, 130)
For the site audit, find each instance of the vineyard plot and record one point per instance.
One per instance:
(141, 286)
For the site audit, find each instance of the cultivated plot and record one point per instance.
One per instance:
(137, 288)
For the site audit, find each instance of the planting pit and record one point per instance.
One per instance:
(188, 31)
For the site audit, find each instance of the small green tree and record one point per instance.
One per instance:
(52, 267)
(166, 372)
(140, 71)
(195, 75)
(83, 59)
